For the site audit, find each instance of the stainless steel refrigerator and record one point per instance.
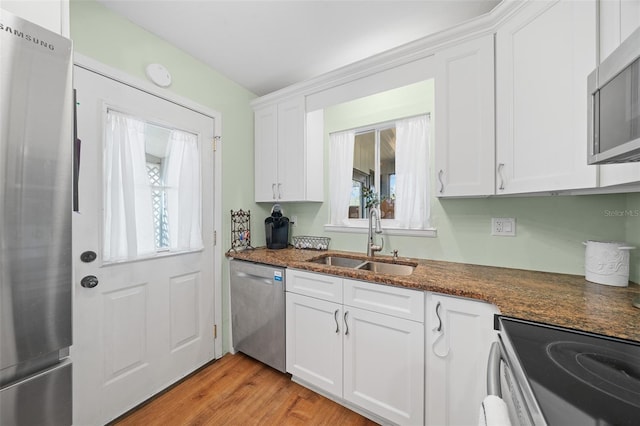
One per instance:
(36, 161)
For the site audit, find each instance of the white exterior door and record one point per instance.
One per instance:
(148, 322)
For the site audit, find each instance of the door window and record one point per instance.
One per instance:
(152, 197)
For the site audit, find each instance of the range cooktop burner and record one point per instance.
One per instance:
(577, 378)
(615, 373)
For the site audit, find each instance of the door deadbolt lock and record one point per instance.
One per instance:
(88, 256)
(90, 281)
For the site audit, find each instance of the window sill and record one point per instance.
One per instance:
(157, 255)
(359, 229)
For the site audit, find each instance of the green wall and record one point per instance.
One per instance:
(108, 38)
(550, 229)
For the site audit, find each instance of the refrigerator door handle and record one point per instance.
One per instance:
(76, 156)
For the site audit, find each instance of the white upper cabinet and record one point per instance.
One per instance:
(543, 56)
(618, 19)
(266, 153)
(464, 120)
(286, 158)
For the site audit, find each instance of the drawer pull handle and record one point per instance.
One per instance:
(440, 173)
(439, 319)
(335, 318)
(500, 168)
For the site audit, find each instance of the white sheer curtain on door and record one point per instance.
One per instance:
(341, 176)
(412, 172)
(182, 182)
(128, 215)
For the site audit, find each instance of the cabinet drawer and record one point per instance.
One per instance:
(320, 286)
(399, 302)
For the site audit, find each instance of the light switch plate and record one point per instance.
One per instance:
(503, 226)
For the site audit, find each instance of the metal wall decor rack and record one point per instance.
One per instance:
(240, 230)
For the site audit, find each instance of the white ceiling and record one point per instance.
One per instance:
(267, 45)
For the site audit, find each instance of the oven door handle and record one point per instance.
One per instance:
(493, 370)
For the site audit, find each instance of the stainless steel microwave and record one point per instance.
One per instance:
(614, 106)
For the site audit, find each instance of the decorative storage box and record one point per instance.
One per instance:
(312, 243)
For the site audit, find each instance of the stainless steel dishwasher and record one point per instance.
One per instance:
(258, 312)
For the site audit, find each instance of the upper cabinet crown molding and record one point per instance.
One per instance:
(402, 55)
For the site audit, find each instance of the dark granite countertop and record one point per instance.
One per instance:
(559, 299)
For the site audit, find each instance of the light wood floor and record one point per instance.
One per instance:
(237, 390)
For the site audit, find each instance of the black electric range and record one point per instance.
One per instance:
(578, 378)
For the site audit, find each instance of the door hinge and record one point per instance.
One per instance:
(215, 331)
(216, 139)
(215, 237)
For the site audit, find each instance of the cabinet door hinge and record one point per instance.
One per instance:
(215, 237)
(216, 139)
(215, 331)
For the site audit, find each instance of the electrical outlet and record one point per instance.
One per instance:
(294, 220)
(503, 226)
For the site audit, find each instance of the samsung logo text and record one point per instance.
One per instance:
(27, 37)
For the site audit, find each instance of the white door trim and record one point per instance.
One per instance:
(122, 77)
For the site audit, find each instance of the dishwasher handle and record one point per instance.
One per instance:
(255, 277)
(493, 370)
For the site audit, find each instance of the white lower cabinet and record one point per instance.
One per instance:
(314, 342)
(384, 365)
(385, 352)
(360, 354)
(459, 337)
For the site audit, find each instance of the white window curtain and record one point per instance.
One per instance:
(128, 230)
(412, 172)
(182, 180)
(340, 179)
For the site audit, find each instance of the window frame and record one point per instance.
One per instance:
(153, 121)
(389, 226)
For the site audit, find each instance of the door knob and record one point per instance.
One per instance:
(90, 281)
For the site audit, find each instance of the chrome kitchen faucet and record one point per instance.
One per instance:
(371, 246)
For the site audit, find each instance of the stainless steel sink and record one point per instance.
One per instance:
(345, 262)
(387, 268)
(366, 265)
